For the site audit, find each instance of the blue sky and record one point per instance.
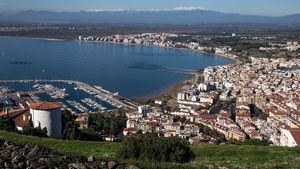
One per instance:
(259, 7)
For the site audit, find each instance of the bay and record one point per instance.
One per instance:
(133, 71)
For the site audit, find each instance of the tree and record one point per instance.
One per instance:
(1, 106)
(139, 132)
(107, 124)
(176, 118)
(150, 146)
(7, 124)
(70, 129)
(34, 131)
(257, 112)
(90, 135)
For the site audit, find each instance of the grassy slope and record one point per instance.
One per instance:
(232, 156)
(102, 150)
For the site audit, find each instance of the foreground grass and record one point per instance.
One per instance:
(101, 150)
(235, 156)
(231, 156)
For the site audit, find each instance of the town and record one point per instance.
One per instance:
(260, 46)
(159, 84)
(254, 98)
(257, 100)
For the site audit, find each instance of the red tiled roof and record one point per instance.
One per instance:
(45, 105)
(130, 129)
(277, 113)
(243, 114)
(170, 131)
(12, 113)
(22, 119)
(296, 134)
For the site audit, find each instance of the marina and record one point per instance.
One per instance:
(54, 92)
(77, 97)
(78, 106)
(93, 104)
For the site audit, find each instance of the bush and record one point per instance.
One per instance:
(152, 147)
(255, 142)
(108, 124)
(7, 124)
(34, 131)
(69, 128)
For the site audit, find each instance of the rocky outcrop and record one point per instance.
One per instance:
(37, 157)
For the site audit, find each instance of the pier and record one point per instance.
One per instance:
(115, 100)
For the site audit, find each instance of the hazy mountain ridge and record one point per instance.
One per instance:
(197, 16)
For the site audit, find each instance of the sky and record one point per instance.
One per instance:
(256, 7)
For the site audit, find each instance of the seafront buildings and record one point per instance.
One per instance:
(170, 40)
(261, 100)
(160, 40)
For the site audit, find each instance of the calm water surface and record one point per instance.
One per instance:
(133, 71)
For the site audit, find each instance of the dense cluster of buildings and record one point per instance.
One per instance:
(270, 87)
(152, 119)
(290, 46)
(261, 100)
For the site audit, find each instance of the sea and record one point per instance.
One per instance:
(131, 70)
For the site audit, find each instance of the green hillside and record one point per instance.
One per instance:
(231, 156)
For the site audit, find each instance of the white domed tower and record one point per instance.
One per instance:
(47, 114)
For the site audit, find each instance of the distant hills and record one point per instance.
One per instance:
(176, 17)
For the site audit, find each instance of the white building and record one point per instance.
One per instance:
(144, 110)
(80, 38)
(202, 87)
(181, 96)
(47, 114)
(290, 137)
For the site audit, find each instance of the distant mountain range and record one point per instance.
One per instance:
(178, 17)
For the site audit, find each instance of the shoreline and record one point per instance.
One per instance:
(160, 94)
(235, 60)
(36, 38)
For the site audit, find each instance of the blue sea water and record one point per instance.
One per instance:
(112, 66)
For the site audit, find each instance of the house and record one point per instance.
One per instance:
(128, 131)
(236, 133)
(21, 117)
(82, 121)
(170, 133)
(290, 137)
(110, 138)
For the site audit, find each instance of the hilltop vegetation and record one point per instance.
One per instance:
(231, 156)
(150, 146)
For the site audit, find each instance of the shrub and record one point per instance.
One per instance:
(7, 124)
(34, 131)
(255, 142)
(152, 147)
